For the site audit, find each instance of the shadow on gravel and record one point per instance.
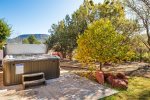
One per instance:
(143, 71)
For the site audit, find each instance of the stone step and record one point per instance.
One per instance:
(34, 82)
(33, 74)
(33, 79)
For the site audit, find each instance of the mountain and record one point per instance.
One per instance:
(18, 39)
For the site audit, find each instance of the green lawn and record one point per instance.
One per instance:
(138, 89)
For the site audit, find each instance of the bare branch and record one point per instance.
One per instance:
(142, 10)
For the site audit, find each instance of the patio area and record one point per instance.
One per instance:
(67, 87)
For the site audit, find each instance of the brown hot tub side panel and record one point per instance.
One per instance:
(50, 67)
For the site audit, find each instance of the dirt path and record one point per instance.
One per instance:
(134, 68)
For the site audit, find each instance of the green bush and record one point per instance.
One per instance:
(146, 57)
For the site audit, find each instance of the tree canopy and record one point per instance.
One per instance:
(66, 32)
(141, 8)
(5, 31)
(31, 40)
(101, 43)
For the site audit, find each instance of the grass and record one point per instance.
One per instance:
(138, 88)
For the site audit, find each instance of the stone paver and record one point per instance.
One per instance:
(67, 87)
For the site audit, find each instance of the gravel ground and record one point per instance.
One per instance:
(135, 68)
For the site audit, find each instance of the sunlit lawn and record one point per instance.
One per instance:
(138, 89)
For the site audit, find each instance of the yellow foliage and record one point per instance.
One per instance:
(101, 43)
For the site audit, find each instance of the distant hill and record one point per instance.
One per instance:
(18, 39)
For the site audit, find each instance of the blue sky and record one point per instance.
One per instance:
(36, 16)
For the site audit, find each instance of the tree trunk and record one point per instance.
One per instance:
(70, 56)
(100, 66)
(148, 35)
(145, 43)
(140, 55)
(64, 54)
(149, 41)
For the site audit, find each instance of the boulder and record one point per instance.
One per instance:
(100, 77)
(125, 80)
(106, 75)
(121, 76)
(119, 83)
(110, 79)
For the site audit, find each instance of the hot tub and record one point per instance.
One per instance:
(15, 65)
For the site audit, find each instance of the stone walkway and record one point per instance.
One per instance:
(67, 87)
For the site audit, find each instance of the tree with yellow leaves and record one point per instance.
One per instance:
(101, 43)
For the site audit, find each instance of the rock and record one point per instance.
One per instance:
(121, 76)
(110, 79)
(119, 83)
(100, 77)
(126, 81)
(106, 75)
